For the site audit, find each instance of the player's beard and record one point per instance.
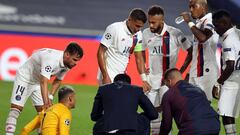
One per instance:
(68, 65)
(155, 30)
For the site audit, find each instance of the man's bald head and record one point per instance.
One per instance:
(201, 2)
(198, 8)
(172, 76)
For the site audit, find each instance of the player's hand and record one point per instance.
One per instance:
(146, 86)
(147, 71)
(106, 80)
(158, 109)
(186, 16)
(216, 92)
(47, 104)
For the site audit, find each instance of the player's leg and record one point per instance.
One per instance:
(153, 96)
(162, 91)
(206, 83)
(229, 125)
(229, 106)
(19, 97)
(35, 123)
(37, 101)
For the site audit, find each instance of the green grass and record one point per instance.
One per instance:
(81, 123)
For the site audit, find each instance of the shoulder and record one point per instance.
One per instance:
(146, 31)
(233, 36)
(115, 25)
(174, 31)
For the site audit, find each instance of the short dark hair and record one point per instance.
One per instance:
(64, 91)
(138, 14)
(155, 10)
(220, 14)
(122, 77)
(74, 48)
(169, 71)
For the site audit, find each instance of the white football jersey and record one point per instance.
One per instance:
(231, 51)
(46, 62)
(163, 51)
(204, 54)
(120, 45)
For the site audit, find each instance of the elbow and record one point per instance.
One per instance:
(202, 39)
(95, 117)
(153, 116)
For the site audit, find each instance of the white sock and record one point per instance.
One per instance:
(155, 126)
(230, 129)
(12, 121)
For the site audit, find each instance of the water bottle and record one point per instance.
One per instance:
(179, 20)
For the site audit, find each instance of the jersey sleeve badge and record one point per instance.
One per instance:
(67, 122)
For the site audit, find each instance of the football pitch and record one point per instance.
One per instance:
(81, 122)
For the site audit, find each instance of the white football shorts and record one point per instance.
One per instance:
(229, 102)
(156, 95)
(22, 90)
(206, 83)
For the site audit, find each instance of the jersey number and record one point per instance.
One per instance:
(20, 89)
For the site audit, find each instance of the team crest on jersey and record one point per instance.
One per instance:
(108, 36)
(67, 122)
(18, 97)
(48, 68)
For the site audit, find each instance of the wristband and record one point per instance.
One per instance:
(50, 96)
(144, 77)
(191, 24)
(217, 84)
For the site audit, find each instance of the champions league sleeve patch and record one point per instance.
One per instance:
(183, 39)
(48, 68)
(108, 36)
(67, 122)
(226, 49)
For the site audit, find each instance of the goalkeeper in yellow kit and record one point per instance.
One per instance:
(56, 119)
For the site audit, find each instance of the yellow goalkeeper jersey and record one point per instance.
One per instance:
(55, 121)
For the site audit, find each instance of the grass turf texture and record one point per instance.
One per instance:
(81, 123)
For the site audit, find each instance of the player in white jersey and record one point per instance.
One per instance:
(163, 43)
(119, 41)
(204, 69)
(33, 76)
(229, 81)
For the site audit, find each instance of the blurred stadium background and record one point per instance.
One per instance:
(27, 25)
